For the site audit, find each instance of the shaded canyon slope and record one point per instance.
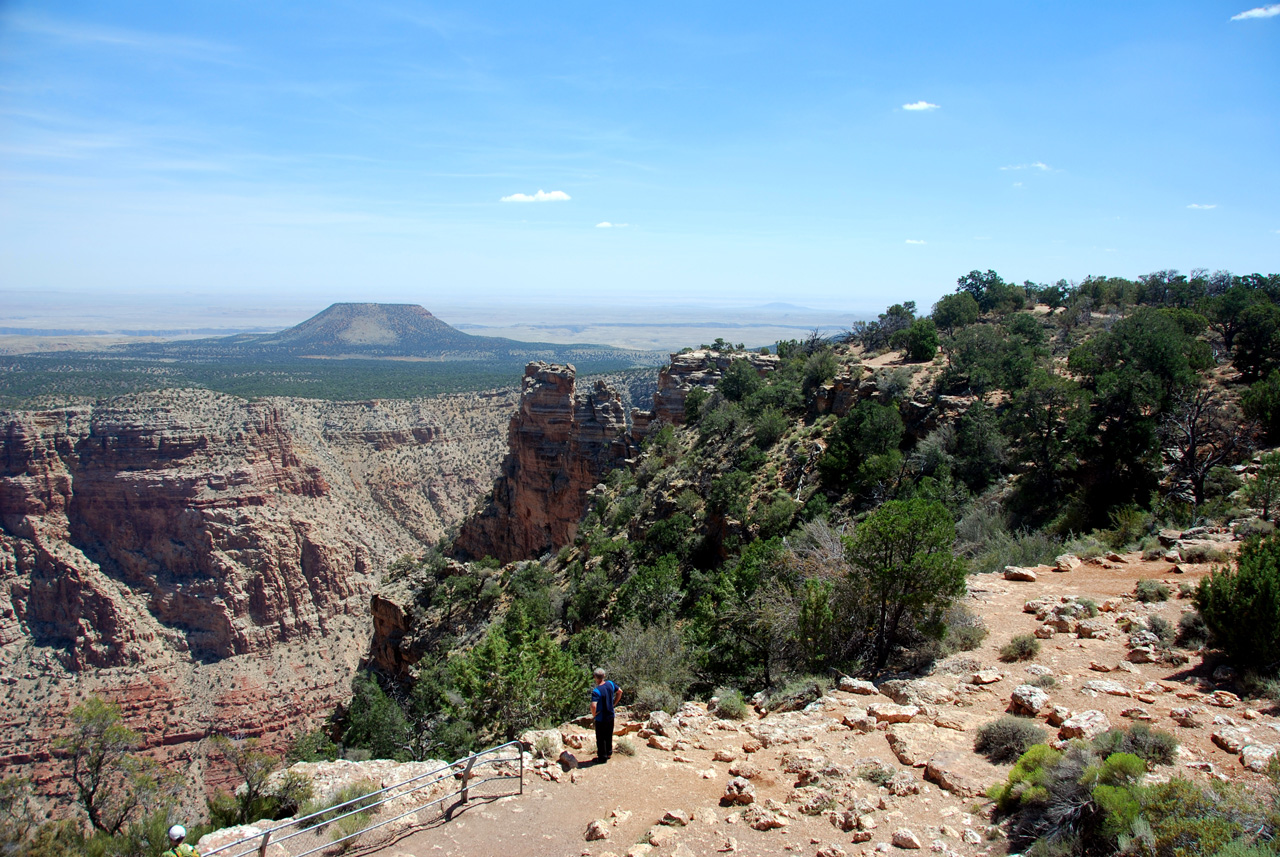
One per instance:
(207, 561)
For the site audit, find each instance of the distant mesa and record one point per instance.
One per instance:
(379, 330)
(373, 331)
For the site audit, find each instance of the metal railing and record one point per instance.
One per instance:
(328, 830)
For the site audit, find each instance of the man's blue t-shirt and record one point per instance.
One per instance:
(603, 696)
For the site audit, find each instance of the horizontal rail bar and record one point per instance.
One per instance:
(467, 763)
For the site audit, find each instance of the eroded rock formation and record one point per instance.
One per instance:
(561, 443)
(207, 562)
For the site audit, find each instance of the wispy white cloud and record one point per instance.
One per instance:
(919, 105)
(914, 241)
(1258, 12)
(540, 196)
(604, 224)
(982, 238)
(134, 40)
(1200, 207)
(1037, 165)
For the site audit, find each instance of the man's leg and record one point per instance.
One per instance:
(604, 739)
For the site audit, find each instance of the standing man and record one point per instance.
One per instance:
(604, 699)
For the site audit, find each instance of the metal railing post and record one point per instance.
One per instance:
(266, 838)
(466, 777)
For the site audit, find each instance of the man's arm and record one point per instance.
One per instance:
(617, 695)
(593, 706)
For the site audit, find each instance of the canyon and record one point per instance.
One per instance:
(206, 562)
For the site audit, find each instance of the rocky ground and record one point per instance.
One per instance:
(890, 766)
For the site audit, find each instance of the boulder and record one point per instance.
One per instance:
(1028, 699)
(1014, 572)
(759, 818)
(986, 677)
(915, 743)
(739, 791)
(962, 774)
(1111, 688)
(1058, 714)
(1086, 724)
(1257, 757)
(658, 742)
(858, 686)
(843, 819)
(662, 723)
(885, 712)
(903, 837)
(598, 829)
(1231, 739)
(1093, 629)
(228, 835)
(1188, 718)
(859, 722)
(676, 817)
(902, 784)
(1143, 655)
(921, 691)
(1067, 562)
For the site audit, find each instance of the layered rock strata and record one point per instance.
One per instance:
(206, 562)
(561, 443)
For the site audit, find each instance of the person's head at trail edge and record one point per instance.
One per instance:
(177, 833)
(600, 675)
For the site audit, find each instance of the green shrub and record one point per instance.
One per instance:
(651, 697)
(1022, 647)
(1149, 590)
(1192, 630)
(1089, 606)
(1043, 681)
(655, 656)
(1153, 746)
(1006, 739)
(769, 425)
(1241, 607)
(1202, 554)
(1162, 628)
(875, 772)
(625, 746)
(964, 638)
(729, 704)
(796, 693)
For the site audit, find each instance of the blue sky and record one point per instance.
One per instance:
(741, 152)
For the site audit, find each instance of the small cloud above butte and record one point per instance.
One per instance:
(1200, 207)
(604, 224)
(1037, 165)
(1258, 12)
(919, 105)
(914, 241)
(540, 196)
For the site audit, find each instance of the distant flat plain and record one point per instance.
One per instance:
(49, 321)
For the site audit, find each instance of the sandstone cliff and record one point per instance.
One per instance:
(207, 561)
(560, 445)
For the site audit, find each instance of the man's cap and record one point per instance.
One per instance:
(177, 832)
